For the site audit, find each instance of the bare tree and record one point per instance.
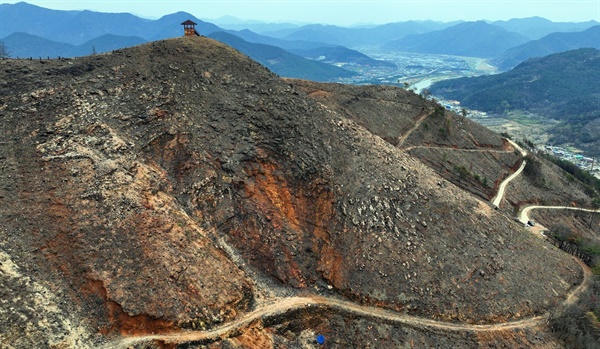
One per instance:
(425, 93)
(592, 215)
(3, 50)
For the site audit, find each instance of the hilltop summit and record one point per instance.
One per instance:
(178, 184)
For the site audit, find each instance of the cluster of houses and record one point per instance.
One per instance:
(458, 109)
(585, 163)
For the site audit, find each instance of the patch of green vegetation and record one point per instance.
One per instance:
(439, 111)
(588, 249)
(464, 173)
(526, 119)
(482, 180)
(577, 326)
(533, 170)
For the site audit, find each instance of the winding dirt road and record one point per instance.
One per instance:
(524, 215)
(287, 305)
(282, 306)
(521, 150)
(500, 195)
(421, 118)
(476, 150)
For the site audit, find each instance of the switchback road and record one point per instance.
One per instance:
(524, 215)
(500, 195)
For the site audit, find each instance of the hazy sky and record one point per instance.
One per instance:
(345, 12)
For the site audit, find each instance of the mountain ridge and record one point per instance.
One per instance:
(22, 45)
(136, 171)
(59, 25)
(341, 54)
(537, 27)
(477, 39)
(550, 44)
(358, 37)
(551, 78)
(283, 62)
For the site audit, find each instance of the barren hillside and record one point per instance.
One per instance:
(179, 186)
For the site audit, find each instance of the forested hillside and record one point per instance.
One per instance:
(550, 44)
(563, 86)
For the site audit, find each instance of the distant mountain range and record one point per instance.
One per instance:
(288, 45)
(78, 27)
(27, 45)
(233, 23)
(358, 37)
(537, 27)
(477, 39)
(33, 31)
(562, 86)
(282, 62)
(552, 43)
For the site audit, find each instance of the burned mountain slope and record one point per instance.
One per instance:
(458, 149)
(462, 151)
(125, 177)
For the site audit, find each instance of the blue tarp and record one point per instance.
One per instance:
(320, 339)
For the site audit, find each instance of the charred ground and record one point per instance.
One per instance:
(128, 179)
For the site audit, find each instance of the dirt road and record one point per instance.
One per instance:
(524, 215)
(500, 195)
(402, 139)
(281, 306)
(286, 305)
